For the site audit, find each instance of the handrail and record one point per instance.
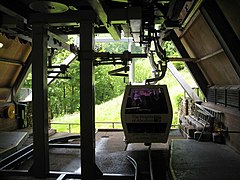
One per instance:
(72, 124)
(98, 122)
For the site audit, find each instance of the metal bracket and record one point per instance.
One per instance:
(114, 59)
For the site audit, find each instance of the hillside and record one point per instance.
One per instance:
(110, 110)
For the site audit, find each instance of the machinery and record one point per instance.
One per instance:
(146, 114)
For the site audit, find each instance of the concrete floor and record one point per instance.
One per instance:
(10, 142)
(189, 159)
(110, 156)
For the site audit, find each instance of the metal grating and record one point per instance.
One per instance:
(211, 95)
(220, 96)
(226, 95)
(233, 97)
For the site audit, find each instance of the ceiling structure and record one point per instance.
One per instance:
(206, 34)
(214, 61)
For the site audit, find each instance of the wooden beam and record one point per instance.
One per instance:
(182, 59)
(11, 61)
(210, 55)
(22, 75)
(193, 67)
(223, 32)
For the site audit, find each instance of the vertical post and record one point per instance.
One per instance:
(40, 167)
(87, 102)
(132, 65)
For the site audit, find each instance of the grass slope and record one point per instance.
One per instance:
(107, 113)
(110, 111)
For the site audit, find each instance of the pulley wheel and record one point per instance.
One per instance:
(48, 7)
(11, 112)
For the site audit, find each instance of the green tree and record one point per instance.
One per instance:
(106, 86)
(142, 70)
(64, 94)
(172, 52)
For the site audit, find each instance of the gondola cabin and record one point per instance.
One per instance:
(146, 114)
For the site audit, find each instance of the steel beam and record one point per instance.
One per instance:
(10, 12)
(87, 102)
(118, 15)
(191, 12)
(98, 8)
(40, 168)
(52, 76)
(193, 67)
(223, 32)
(63, 19)
(187, 88)
(58, 41)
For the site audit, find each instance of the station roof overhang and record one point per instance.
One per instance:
(121, 19)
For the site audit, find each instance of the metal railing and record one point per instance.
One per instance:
(113, 125)
(70, 125)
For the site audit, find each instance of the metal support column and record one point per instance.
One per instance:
(132, 66)
(40, 167)
(193, 67)
(87, 102)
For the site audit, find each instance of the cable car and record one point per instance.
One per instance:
(146, 114)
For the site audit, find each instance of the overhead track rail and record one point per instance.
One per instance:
(99, 9)
(117, 59)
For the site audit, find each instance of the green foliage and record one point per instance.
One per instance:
(172, 52)
(179, 65)
(107, 112)
(112, 47)
(178, 99)
(106, 86)
(170, 49)
(117, 47)
(142, 70)
(64, 94)
(28, 81)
